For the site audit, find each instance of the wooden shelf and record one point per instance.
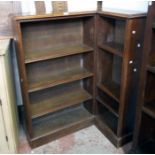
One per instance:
(153, 25)
(58, 102)
(151, 68)
(108, 119)
(149, 108)
(60, 121)
(56, 53)
(112, 107)
(111, 88)
(61, 78)
(113, 47)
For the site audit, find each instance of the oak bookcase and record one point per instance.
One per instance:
(144, 133)
(77, 70)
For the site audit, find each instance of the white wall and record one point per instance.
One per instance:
(90, 5)
(126, 5)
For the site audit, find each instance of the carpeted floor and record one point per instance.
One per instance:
(86, 141)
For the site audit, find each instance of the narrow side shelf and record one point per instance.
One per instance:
(149, 108)
(52, 53)
(151, 68)
(58, 102)
(60, 121)
(110, 106)
(111, 88)
(153, 25)
(61, 78)
(113, 47)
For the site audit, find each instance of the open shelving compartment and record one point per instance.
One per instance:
(59, 64)
(111, 34)
(146, 135)
(73, 71)
(110, 43)
(109, 74)
(149, 102)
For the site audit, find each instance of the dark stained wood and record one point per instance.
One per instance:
(145, 124)
(56, 53)
(29, 17)
(122, 14)
(118, 55)
(151, 68)
(108, 102)
(110, 135)
(149, 108)
(62, 61)
(61, 78)
(69, 98)
(108, 118)
(40, 7)
(61, 120)
(113, 47)
(111, 88)
(23, 77)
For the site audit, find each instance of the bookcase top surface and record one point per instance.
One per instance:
(54, 15)
(120, 13)
(111, 13)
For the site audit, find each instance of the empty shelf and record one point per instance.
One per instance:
(35, 56)
(58, 102)
(59, 121)
(112, 107)
(151, 67)
(113, 47)
(149, 108)
(61, 78)
(111, 88)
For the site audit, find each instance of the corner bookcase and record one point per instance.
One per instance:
(119, 45)
(144, 133)
(75, 72)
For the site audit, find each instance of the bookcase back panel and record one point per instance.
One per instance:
(58, 70)
(49, 68)
(43, 36)
(111, 31)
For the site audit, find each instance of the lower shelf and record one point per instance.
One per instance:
(111, 88)
(57, 102)
(149, 108)
(56, 124)
(151, 67)
(117, 141)
(108, 118)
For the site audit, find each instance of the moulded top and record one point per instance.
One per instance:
(28, 16)
(120, 13)
(110, 12)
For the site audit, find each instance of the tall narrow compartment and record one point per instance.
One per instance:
(119, 45)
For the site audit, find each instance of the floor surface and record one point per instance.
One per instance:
(86, 141)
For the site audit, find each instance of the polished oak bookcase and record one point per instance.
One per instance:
(144, 133)
(77, 70)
